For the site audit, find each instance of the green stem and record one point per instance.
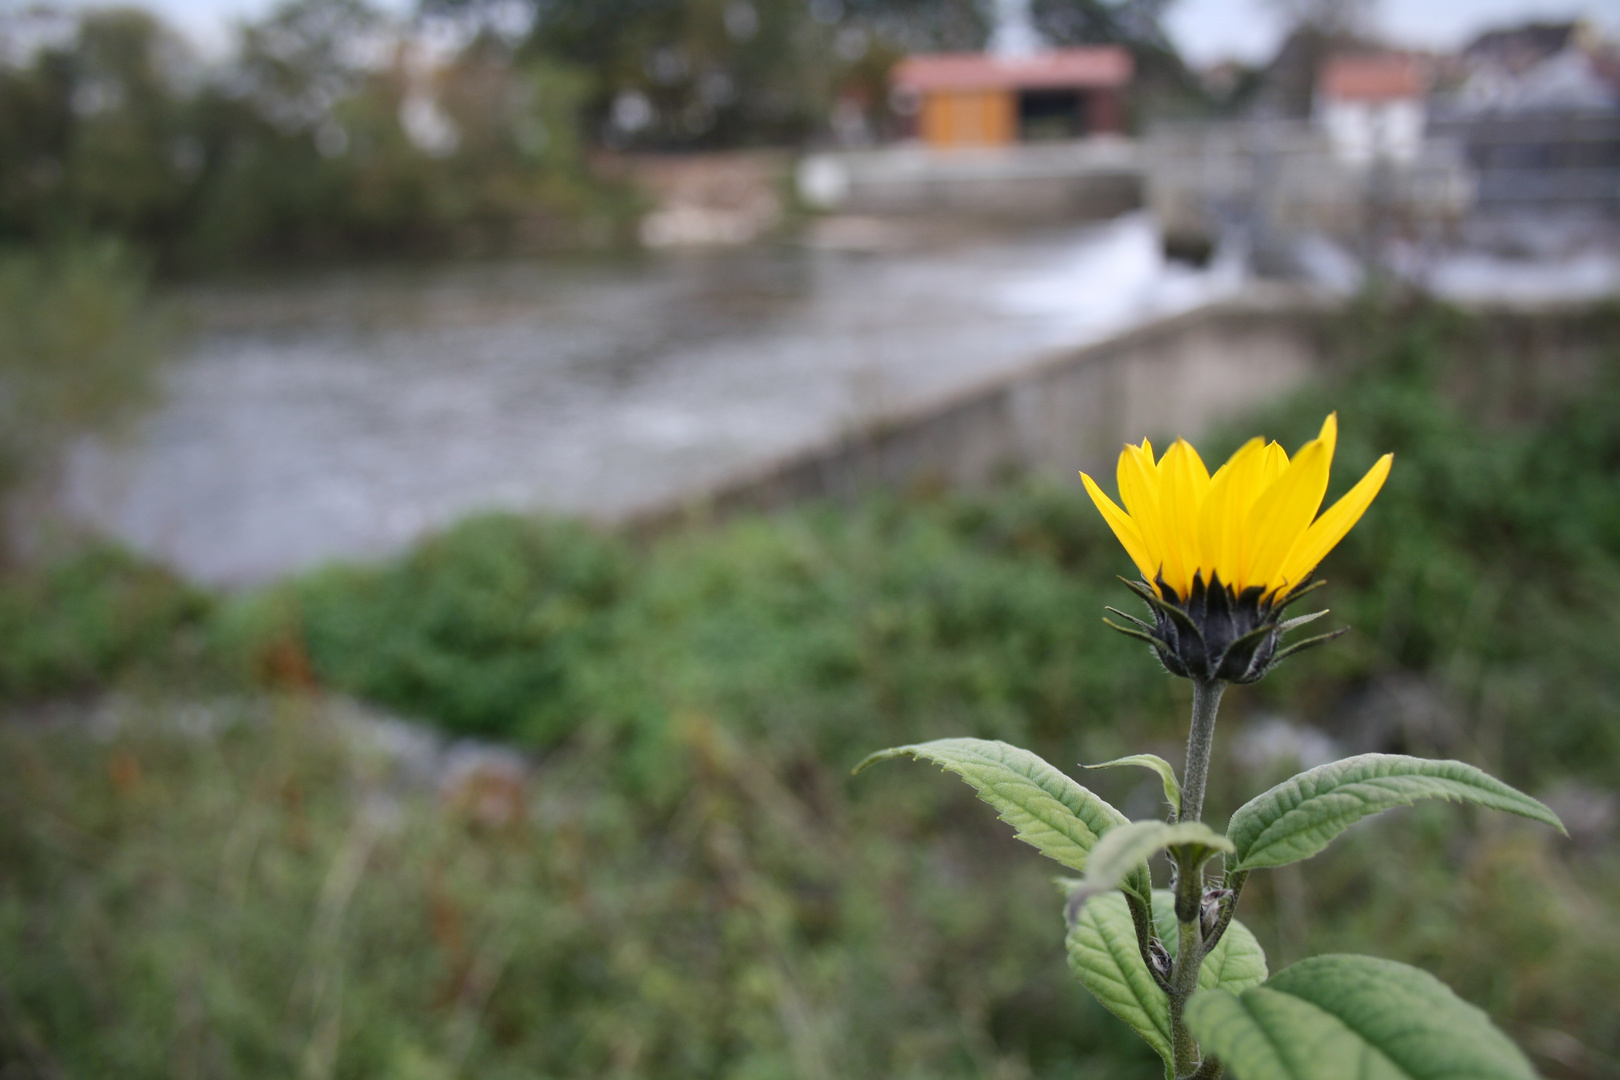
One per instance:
(1206, 702)
(1183, 982)
(1190, 878)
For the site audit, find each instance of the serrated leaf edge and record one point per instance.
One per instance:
(994, 753)
(1338, 823)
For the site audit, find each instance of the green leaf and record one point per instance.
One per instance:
(1352, 1018)
(1104, 956)
(1166, 771)
(1297, 818)
(1047, 810)
(1127, 847)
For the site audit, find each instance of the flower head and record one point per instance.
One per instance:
(1221, 556)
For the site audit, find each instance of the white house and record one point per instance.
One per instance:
(1373, 107)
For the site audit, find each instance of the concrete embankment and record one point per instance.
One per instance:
(1072, 409)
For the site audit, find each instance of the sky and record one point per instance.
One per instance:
(1206, 31)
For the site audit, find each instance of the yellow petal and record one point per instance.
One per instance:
(1285, 509)
(1139, 491)
(1275, 464)
(1326, 531)
(1330, 432)
(1220, 519)
(1124, 528)
(1183, 483)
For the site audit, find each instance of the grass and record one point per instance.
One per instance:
(270, 900)
(210, 869)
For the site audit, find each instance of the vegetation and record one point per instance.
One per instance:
(1489, 568)
(1222, 557)
(327, 134)
(689, 882)
(335, 131)
(79, 348)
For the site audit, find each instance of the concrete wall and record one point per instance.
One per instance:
(1066, 411)
(1082, 180)
(1073, 410)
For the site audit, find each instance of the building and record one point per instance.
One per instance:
(1372, 107)
(1539, 68)
(1536, 112)
(983, 99)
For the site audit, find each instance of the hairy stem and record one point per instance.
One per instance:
(1183, 981)
(1206, 701)
(1190, 878)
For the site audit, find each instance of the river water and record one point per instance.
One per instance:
(341, 415)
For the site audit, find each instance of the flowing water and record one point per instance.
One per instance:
(343, 414)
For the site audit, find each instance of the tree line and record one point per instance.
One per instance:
(332, 129)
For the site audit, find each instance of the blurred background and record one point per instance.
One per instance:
(477, 474)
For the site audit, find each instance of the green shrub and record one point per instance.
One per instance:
(81, 623)
(490, 628)
(1490, 563)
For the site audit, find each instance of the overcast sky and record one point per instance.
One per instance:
(1205, 30)
(1211, 30)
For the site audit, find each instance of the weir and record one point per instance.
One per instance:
(1071, 409)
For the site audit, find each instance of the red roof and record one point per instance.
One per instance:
(1099, 66)
(1373, 77)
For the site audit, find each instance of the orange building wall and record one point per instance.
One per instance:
(969, 118)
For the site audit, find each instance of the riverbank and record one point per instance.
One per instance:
(211, 856)
(348, 414)
(345, 415)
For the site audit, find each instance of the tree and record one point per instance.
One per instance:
(91, 131)
(672, 73)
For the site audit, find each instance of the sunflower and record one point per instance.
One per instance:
(1222, 556)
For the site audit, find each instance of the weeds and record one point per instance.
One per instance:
(272, 899)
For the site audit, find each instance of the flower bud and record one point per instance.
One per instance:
(1222, 555)
(1215, 633)
(1209, 915)
(1161, 959)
